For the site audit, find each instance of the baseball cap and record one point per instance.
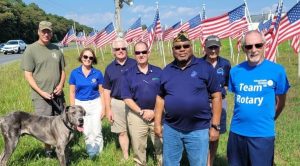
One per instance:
(212, 40)
(45, 25)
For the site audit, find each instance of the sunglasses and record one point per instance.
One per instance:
(118, 49)
(140, 52)
(88, 57)
(257, 45)
(185, 46)
(213, 47)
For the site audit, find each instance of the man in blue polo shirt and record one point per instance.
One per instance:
(186, 84)
(260, 88)
(222, 66)
(140, 86)
(114, 105)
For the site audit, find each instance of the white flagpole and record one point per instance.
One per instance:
(231, 49)
(298, 65)
(247, 13)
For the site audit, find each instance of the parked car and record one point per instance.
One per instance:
(1, 45)
(13, 46)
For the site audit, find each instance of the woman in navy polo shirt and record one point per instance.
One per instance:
(86, 90)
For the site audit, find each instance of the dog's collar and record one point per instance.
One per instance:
(66, 124)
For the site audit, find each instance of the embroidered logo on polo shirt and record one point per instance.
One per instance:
(220, 71)
(54, 55)
(194, 74)
(94, 80)
(155, 78)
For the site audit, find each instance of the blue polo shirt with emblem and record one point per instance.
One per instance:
(113, 74)
(222, 69)
(140, 87)
(86, 88)
(186, 94)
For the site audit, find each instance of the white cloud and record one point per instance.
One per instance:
(96, 20)
(142, 9)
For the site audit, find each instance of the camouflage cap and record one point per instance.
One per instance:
(181, 37)
(45, 25)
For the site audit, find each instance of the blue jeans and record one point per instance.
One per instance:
(195, 143)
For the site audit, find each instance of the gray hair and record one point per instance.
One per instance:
(250, 32)
(119, 40)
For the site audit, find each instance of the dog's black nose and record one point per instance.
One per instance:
(80, 120)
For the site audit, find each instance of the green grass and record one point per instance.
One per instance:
(15, 95)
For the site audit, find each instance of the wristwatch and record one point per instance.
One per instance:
(216, 127)
(141, 112)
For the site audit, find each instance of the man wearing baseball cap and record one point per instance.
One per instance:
(39, 58)
(212, 55)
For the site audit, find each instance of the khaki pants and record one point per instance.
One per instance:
(139, 131)
(120, 123)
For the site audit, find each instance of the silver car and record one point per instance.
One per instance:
(13, 46)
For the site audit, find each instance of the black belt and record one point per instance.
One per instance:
(117, 98)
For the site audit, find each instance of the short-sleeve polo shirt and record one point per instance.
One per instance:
(222, 69)
(86, 88)
(186, 94)
(113, 74)
(140, 87)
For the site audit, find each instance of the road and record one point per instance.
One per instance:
(4, 59)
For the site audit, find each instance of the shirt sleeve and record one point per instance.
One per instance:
(213, 82)
(100, 78)
(282, 84)
(72, 80)
(27, 63)
(106, 84)
(125, 88)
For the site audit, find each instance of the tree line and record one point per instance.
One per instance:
(20, 21)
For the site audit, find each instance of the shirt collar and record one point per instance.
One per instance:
(194, 61)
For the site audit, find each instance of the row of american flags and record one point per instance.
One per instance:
(233, 25)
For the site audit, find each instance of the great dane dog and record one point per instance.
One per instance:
(53, 130)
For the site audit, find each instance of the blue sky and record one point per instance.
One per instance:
(98, 13)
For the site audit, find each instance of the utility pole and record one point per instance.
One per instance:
(118, 7)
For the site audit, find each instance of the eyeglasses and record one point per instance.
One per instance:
(185, 46)
(118, 49)
(213, 47)
(257, 45)
(88, 57)
(140, 52)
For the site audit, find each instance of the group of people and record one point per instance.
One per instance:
(182, 106)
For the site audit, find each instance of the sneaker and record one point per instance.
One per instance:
(48, 153)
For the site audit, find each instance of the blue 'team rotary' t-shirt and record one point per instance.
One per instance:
(255, 89)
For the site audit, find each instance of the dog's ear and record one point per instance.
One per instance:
(67, 108)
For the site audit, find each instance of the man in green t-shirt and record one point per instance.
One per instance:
(43, 64)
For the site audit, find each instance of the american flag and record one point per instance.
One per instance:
(158, 29)
(264, 26)
(193, 27)
(152, 30)
(106, 35)
(269, 31)
(290, 24)
(80, 37)
(134, 31)
(169, 33)
(90, 38)
(272, 36)
(225, 25)
(296, 43)
(70, 36)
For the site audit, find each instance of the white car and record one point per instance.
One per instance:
(13, 46)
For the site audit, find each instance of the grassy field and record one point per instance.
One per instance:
(15, 95)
